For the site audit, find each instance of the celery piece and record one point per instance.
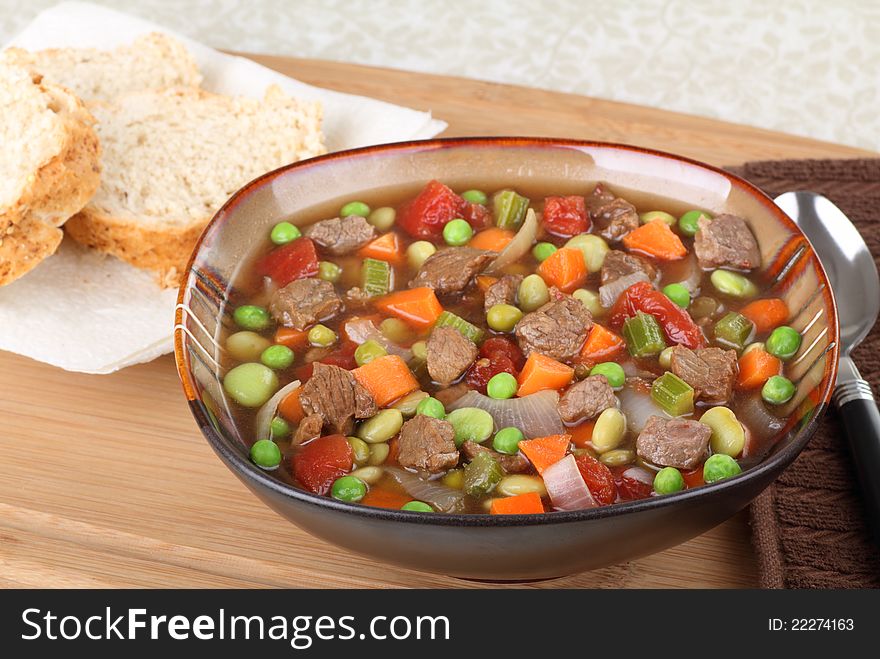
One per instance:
(734, 330)
(673, 394)
(643, 335)
(468, 331)
(509, 209)
(375, 277)
(482, 474)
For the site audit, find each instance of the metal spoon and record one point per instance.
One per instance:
(856, 287)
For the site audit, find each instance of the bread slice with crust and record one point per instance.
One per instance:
(172, 158)
(49, 167)
(152, 61)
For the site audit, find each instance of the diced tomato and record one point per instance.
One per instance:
(477, 215)
(343, 357)
(295, 260)
(321, 461)
(565, 216)
(427, 214)
(500, 345)
(598, 478)
(631, 489)
(694, 477)
(485, 368)
(677, 323)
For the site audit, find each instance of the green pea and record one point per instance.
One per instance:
(355, 208)
(383, 218)
(650, 216)
(246, 346)
(689, 223)
(778, 390)
(732, 283)
(359, 449)
(475, 196)
(507, 440)
(431, 407)
(678, 294)
(382, 427)
(419, 350)
(783, 342)
(593, 248)
(395, 330)
(533, 293)
(279, 428)
(668, 480)
(720, 466)
(503, 317)
(266, 454)
(322, 336)
(457, 232)
(284, 232)
(250, 385)
(278, 357)
(417, 507)
(419, 252)
(471, 424)
(329, 271)
(501, 386)
(543, 251)
(368, 351)
(252, 317)
(348, 488)
(612, 371)
(590, 300)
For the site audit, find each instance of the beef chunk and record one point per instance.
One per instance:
(428, 444)
(449, 395)
(449, 355)
(304, 302)
(726, 241)
(558, 329)
(586, 399)
(341, 235)
(618, 264)
(334, 394)
(673, 442)
(309, 428)
(710, 371)
(502, 291)
(615, 217)
(511, 464)
(451, 270)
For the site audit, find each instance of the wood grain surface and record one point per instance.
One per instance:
(106, 481)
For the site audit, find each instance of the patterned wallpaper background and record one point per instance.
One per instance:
(809, 67)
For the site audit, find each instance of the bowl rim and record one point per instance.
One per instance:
(247, 471)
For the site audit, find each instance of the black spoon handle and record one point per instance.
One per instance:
(861, 418)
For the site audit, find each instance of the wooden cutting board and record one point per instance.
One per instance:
(106, 482)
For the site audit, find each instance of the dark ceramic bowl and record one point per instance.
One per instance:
(516, 547)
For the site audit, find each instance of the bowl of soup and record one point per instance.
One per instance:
(505, 358)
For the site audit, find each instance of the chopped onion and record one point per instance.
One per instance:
(536, 415)
(361, 330)
(638, 407)
(762, 428)
(264, 417)
(566, 486)
(519, 246)
(444, 498)
(639, 474)
(609, 293)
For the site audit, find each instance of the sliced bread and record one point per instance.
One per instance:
(49, 167)
(172, 158)
(152, 61)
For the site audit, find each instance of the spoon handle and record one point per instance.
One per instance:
(861, 418)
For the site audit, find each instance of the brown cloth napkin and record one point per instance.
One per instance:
(809, 527)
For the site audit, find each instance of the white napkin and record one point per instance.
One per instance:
(94, 314)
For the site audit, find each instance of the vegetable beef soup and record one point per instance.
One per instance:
(507, 352)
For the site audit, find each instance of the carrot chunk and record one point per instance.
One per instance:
(656, 239)
(766, 314)
(380, 497)
(417, 306)
(493, 239)
(484, 282)
(521, 504)
(290, 407)
(384, 248)
(292, 338)
(756, 367)
(386, 378)
(541, 372)
(602, 345)
(565, 269)
(543, 452)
